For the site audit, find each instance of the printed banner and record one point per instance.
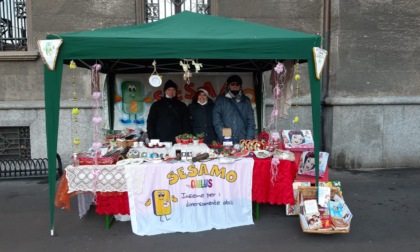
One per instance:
(189, 197)
(49, 51)
(320, 55)
(134, 94)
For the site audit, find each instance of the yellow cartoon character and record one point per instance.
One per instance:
(161, 203)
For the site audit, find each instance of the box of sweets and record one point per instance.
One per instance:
(297, 140)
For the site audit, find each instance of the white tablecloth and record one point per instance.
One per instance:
(212, 194)
(190, 197)
(96, 178)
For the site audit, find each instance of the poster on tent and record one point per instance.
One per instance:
(189, 197)
(134, 94)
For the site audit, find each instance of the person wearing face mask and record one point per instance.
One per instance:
(201, 111)
(233, 110)
(168, 117)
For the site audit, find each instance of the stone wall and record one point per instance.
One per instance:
(373, 100)
(372, 104)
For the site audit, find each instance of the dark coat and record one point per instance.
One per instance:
(168, 118)
(240, 120)
(202, 120)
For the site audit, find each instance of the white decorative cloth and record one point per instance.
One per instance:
(100, 178)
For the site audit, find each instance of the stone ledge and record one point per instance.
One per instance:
(19, 56)
(357, 101)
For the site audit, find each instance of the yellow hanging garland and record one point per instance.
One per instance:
(75, 110)
(297, 78)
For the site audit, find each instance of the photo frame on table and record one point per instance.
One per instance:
(307, 163)
(298, 140)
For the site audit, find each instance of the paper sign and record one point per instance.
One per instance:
(49, 51)
(320, 55)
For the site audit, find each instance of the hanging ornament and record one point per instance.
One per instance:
(197, 66)
(187, 76)
(96, 118)
(279, 79)
(96, 95)
(75, 110)
(155, 79)
(186, 68)
(297, 79)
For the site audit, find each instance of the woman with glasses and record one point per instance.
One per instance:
(233, 110)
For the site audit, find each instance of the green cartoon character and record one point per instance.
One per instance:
(132, 102)
(49, 48)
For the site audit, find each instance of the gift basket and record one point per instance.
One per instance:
(330, 222)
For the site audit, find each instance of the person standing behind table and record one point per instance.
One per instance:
(233, 110)
(201, 111)
(168, 117)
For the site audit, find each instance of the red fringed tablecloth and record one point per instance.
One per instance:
(112, 203)
(281, 191)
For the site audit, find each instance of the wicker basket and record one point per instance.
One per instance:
(312, 192)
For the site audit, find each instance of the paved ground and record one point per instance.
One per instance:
(385, 205)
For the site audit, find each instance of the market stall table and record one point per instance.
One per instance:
(111, 198)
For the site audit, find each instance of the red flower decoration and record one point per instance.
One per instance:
(263, 136)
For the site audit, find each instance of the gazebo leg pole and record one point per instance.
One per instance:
(257, 211)
(108, 220)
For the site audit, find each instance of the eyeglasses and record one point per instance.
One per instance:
(234, 84)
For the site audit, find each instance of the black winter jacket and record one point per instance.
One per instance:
(168, 118)
(202, 120)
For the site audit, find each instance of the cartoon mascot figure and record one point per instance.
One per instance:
(132, 102)
(161, 203)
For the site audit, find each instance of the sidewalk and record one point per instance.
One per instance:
(385, 205)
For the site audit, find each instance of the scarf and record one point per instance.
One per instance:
(237, 97)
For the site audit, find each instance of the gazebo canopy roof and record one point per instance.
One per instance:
(221, 44)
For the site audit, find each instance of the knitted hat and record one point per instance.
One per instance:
(204, 91)
(170, 84)
(234, 78)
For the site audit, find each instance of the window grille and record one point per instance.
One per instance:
(13, 25)
(15, 143)
(158, 9)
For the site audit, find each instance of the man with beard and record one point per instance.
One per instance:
(233, 110)
(168, 117)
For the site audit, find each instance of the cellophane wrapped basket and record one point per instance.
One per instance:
(311, 192)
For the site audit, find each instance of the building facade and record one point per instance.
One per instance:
(371, 92)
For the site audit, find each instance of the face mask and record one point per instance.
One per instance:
(235, 92)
